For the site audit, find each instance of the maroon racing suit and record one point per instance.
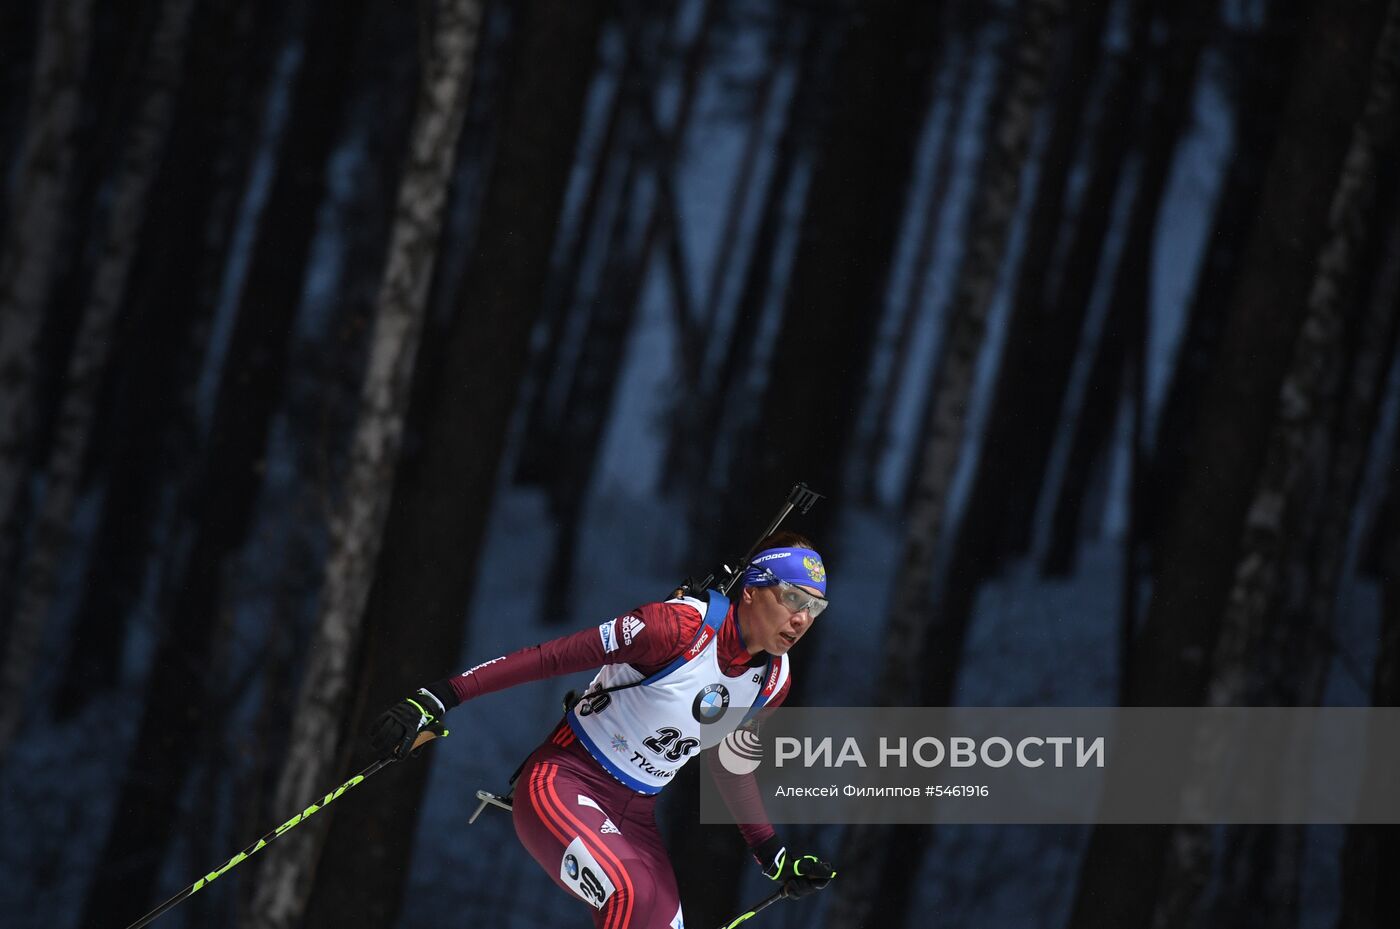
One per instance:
(594, 836)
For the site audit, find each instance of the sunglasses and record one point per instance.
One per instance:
(795, 598)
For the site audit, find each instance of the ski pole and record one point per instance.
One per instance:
(758, 908)
(260, 844)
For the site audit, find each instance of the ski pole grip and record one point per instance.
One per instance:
(424, 737)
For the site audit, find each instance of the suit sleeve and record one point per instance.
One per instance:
(647, 638)
(740, 791)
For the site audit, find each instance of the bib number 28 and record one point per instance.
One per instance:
(668, 743)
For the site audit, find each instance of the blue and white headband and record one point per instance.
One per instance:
(794, 565)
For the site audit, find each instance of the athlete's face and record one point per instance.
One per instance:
(768, 625)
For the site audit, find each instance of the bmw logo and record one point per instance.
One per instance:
(710, 704)
(571, 866)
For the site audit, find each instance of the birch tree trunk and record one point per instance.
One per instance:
(959, 44)
(1367, 176)
(1038, 351)
(863, 167)
(552, 365)
(996, 197)
(996, 194)
(1263, 68)
(357, 528)
(217, 499)
(783, 36)
(460, 414)
(1169, 94)
(74, 427)
(33, 231)
(695, 471)
(711, 321)
(170, 298)
(1069, 304)
(1309, 394)
(638, 224)
(1299, 443)
(1234, 507)
(1280, 615)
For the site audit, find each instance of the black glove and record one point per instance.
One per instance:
(394, 732)
(800, 875)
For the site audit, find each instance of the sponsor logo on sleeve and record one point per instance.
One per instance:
(632, 627)
(608, 633)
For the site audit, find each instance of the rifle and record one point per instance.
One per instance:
(800, 497)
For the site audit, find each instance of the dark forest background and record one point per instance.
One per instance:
(345, 345)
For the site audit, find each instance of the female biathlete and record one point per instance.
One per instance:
(675, 678)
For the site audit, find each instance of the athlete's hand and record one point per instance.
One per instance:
(799, 874)
(396, 729)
